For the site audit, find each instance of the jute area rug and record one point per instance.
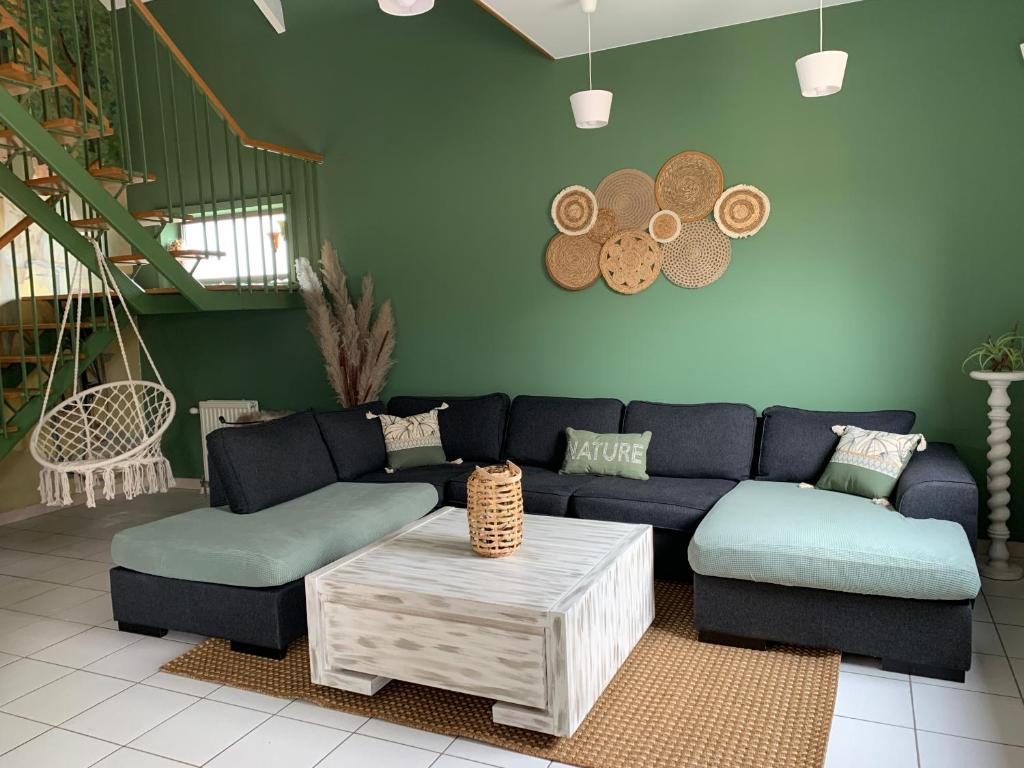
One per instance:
(676, 703)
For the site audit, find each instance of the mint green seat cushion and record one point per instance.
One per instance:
(277, 544)
(780, 533)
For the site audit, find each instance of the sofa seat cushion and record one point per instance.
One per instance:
(672, 503)
(436, 475)
(545, 491)
(783, 534)
(275, 545)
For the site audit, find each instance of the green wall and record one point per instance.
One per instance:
(893, 244)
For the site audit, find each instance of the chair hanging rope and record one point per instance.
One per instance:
(106, 434)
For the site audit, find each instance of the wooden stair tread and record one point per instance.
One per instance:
(119, 175)
(143, 217)
(18, 79)
(9, 429)
(69, 126)
(28, 327)
(48, 185)
(135, 258)
(47, 359)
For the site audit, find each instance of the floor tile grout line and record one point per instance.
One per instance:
(874, 722)
(913, 717)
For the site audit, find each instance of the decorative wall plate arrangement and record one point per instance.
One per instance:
(689, 184)
(629, 193)
(742, 210)
(698, 257)
(634, 227)
(572, 261)
(630, 261)
(605, 226)
(664, 226)
(574, 210)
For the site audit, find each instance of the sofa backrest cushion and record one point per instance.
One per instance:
(796, 444)
(472, 428)
(270, 463)
(709, 440)
(356, 444)
(536, 429)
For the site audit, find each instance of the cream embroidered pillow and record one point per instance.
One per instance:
(868, 463)
(412, 441)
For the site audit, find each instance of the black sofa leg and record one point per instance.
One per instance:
(923, 670)
(721, 638)
(259, 650)
(141, 629)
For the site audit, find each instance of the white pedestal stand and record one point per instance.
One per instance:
(998, 565)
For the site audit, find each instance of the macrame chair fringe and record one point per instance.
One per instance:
(143, 475)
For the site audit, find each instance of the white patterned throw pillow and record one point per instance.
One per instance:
(868, 463)
(412, 441)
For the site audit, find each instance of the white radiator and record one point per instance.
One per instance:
(210, 414)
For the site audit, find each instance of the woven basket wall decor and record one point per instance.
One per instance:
(629, 193)
(742, 210)
(664, 226)
(494, 506)
(698, 257)
(689, 184)
(573, 262)
(574, 210)
(630, 261)
(605, 226)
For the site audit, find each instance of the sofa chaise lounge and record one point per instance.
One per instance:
(698, 455)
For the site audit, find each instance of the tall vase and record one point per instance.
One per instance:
(998, 565)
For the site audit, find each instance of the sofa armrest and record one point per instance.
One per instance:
(936, 484)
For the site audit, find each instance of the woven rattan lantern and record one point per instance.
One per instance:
(494, 505)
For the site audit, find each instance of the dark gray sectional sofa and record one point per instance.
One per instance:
(698, 453)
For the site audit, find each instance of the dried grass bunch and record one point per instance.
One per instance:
(357, 347)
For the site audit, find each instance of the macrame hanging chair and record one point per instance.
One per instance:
(106, 434)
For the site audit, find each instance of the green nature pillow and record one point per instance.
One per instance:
(589, 453)
(413, 441)
(868, 463)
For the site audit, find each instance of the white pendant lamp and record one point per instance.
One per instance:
(405, 7)
(821, 73)
(591, 108)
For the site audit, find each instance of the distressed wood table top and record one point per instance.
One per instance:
(434, 556)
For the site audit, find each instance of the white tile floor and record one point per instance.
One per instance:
(74, 692)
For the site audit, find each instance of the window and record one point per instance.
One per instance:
(253, 247)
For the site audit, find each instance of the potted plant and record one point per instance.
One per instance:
(1000, 362)
(1002, 355)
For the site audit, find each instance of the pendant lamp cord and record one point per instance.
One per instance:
(821, 25)
(590, 56)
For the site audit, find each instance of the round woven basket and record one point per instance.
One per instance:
(698, 257)
(664, 226)
(574, 210)
(742, 210)
(494, 506)
(629, 194)
(690, 184)
(630, 261)
(605, 226)
(573, 262)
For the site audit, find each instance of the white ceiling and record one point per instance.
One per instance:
(559, 26)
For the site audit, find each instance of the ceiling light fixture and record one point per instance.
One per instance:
(821, 73)
(405, 7)
(590, 108)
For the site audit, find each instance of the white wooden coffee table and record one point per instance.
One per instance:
(541, 632)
